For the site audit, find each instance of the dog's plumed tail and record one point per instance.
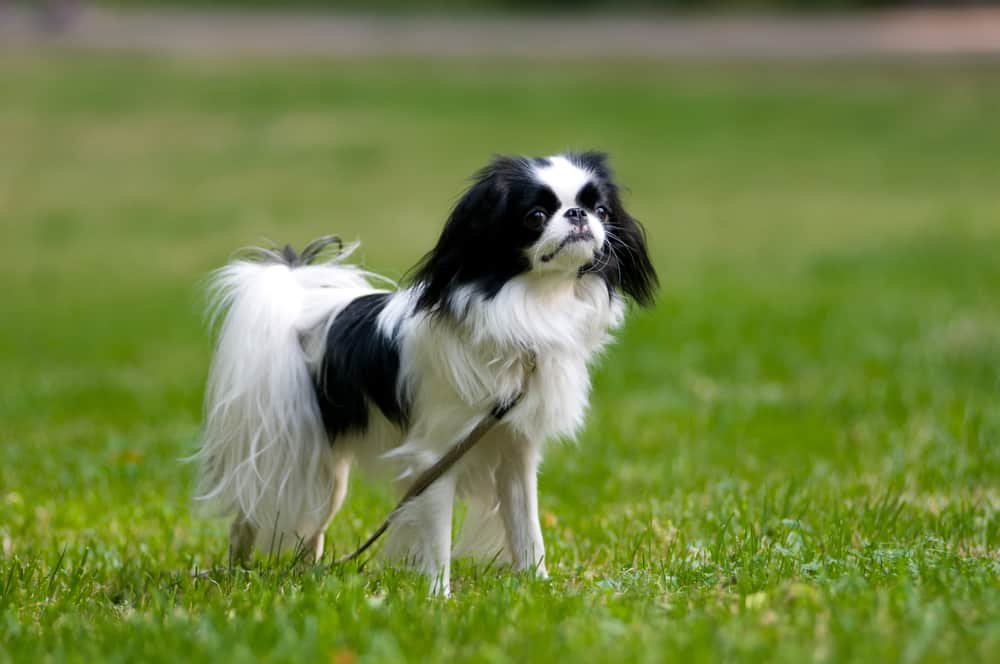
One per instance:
(265, 455)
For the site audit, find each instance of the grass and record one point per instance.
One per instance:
(794, 456)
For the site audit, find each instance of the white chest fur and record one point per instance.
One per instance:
(479, 362)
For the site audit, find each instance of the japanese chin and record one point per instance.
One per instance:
(316, 367)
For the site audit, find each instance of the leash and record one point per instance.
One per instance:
(442, 465)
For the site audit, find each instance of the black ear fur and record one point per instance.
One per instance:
(464, 252)
(625, 264)
(629, 266)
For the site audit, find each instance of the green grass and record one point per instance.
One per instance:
(794, 456)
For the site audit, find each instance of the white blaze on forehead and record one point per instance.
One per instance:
(564, 178)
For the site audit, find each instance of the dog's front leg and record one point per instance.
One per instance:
(517, 489)
(421, 534)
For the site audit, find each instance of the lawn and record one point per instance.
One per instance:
(794, 456)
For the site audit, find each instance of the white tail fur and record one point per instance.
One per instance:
(265, 454)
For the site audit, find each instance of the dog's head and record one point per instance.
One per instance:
(558, 216)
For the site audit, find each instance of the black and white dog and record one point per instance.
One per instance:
(316, 368)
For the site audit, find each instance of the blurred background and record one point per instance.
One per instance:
(812, 182)
(818, 180)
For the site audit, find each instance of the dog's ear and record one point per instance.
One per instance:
(472, 218)
(628, 265)
(625, 265)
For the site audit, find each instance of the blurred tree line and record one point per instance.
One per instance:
(415, 6)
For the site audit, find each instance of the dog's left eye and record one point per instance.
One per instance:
(536, 217)
(602, 212)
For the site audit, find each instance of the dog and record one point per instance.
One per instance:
(316, 367)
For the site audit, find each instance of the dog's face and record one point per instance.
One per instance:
(568, 210)
(559, 216)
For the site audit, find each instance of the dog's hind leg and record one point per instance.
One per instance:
(241, 538)
(313, 546)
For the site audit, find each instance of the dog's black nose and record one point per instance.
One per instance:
(577, 216)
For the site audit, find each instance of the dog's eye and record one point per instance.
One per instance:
(602, 212)
(536, 217)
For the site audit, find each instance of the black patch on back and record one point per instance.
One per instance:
(360, 366)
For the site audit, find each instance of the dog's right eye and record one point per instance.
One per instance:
(536, 217)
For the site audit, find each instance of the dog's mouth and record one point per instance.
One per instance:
(572, 238)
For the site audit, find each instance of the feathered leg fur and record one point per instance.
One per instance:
(517, 489)
(421, 534)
